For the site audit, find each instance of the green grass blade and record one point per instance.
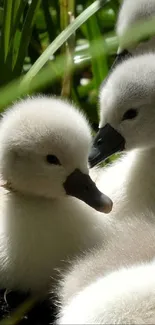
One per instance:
(14, 45)
(6, 28)
(1, 16)
(63, 37)
(99, 65)
(18, 16)
(15, 9)
(48, 19)
(64, 18)
(67, 16)
(26, 34)
(18, 314)
(47, 75)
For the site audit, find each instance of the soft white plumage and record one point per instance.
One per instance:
(114, 284)
(39, 224)
(132, 12)
(130, 181)
(126, 296)
(97, 290)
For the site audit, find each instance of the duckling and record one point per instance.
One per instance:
(130, 13)
(108, 285)
(126, 296)
(114, 284)
(127, 119)
(44, 144)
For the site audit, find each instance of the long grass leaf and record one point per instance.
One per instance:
(67, 14)
(15, 9)
(99, 65)
(14, 45)
(55, 70)
(18, 314)
(49, 23)
(26, 33)
(6, 28)
(47, 75)
(18, 16)
(63, 37)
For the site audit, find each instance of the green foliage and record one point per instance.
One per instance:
(34, 35)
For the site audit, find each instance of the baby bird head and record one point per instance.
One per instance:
(133, 12)
(127, 109)
(130, 14)
(44, 145)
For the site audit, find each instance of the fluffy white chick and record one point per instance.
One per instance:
(44, 144)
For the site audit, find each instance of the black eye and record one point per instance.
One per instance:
(51, 159)
(130, 114)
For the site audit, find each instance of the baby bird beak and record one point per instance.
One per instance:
(82, 187)
(107, 142)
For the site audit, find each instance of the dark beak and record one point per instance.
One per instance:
(119, 58)
(107, 142)
(82, 187)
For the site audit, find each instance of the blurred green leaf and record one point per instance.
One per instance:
(6, 28)
(1, 16)
(62, 38)
(18, 314)
(26, 33)
(99, 65)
